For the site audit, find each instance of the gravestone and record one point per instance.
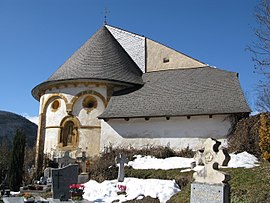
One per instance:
(121, 160)
(210, 184)
(48, 175)
(83, 177)
(61, 179)
(65, 160)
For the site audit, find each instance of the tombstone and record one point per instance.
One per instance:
(210, 184)
(83, 177)
(48, 175)
(65, 160)
(61, 179)
(121, 160)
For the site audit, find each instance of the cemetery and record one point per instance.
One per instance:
(149, 179)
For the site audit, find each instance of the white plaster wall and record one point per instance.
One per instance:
(54, 118)
(178, 132)
(89, 134)
(51, 140)
(88, 118)
(71, 90)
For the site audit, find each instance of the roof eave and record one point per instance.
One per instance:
(39, 90)
(164, 116)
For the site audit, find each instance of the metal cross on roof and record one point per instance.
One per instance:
(106, 12)
(211, 156)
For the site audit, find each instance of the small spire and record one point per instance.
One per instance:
(106, 12)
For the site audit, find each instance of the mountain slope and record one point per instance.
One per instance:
(10, 122)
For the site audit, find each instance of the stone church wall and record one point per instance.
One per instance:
(177, 132)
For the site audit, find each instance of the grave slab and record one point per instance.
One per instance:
(51, 200)
(210, 193)
(61, 179)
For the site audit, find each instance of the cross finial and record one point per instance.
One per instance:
(106, 12)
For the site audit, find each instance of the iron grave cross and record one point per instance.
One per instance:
(121, 160)
(212, 157)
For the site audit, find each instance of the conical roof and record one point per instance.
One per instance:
(100, 58)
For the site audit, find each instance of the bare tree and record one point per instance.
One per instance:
(261, 47)
(263, 97)
(261, 54)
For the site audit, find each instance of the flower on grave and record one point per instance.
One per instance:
(27, 195)
(122, 188)
(76, 186)
(76, 189)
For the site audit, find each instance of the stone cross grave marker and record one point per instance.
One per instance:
(210, 185)
(61, 179)
(121, 160)
(83, 177)
(65, 160)
(83, 159)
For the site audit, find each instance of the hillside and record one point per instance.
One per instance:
(10, 122)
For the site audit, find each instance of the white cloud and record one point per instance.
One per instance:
(253, 113)
(33, 119)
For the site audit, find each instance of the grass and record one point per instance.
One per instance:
(247, 185)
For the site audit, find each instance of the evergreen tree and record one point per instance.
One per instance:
(17, 160)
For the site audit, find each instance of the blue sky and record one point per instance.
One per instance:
(37, 36)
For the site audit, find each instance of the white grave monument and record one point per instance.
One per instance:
(210, 184)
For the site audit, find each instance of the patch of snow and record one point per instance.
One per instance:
(243, 159)
(149, 162)
(136, 189)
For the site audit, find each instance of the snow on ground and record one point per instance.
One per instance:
(148, 162)
(136, 189)
(243, 159)
(161, 189)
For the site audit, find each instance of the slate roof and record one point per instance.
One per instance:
(181, 92)
(134, 44)
(100, 58)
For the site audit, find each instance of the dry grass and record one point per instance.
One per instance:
(103, 167)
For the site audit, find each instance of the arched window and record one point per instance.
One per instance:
(69, 134)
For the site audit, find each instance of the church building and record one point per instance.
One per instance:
(124, 89)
